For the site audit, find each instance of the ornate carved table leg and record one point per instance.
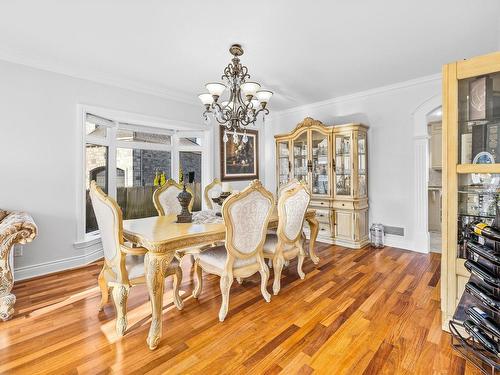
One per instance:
(155, 267)
(314, 226)
(7, 299)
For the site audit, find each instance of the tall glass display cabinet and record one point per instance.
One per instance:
(471, 186)
(332, 160)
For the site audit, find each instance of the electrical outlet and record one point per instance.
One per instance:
(18, 250)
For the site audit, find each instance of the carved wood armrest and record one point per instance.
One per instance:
(133, 250)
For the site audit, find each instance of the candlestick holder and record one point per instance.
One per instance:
(220, 199)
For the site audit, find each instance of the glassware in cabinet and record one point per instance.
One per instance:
(343, 164)
(284, 165)
(320, 173)
(300, 157)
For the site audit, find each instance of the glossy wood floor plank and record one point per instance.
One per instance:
(358, 312)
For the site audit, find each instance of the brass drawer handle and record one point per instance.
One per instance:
(322, 203)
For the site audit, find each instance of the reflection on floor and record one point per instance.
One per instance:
(358, 312)
(435, 242)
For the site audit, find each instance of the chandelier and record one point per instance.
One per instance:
(243, 102)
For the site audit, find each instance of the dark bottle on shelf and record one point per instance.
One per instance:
(479, 317)
(482, 272)
(483, 295)
(482, 337)
(484, 251)
(482, 229)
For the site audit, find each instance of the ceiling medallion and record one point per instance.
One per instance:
(243, 102)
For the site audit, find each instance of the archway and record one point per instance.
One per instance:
(421, 165)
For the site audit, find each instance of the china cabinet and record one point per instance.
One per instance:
(332, 160)
(471, 172)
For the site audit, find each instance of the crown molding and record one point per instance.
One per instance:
(108, 80)
(358, 95)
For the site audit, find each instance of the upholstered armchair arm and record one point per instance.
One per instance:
(15, 227)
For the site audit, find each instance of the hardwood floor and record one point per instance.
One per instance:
(358, 312)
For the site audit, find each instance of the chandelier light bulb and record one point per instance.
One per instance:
(249, 89)
(264, 96)
(216, 89)
(206, 99)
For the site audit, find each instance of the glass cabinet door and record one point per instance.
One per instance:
(478, 143)
(362, 168)
(479, 120)
(283, 162)
(320, 178)
(343, 162)
(300, 157)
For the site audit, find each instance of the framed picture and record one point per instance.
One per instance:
(239, 161)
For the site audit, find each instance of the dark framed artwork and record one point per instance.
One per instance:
(239, 161)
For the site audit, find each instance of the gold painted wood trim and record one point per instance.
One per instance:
(478, 66)
(209, 187)
(307, 123)
(170, 182)
(478, 168)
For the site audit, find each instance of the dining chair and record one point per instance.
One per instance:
(288, 243)
(165, 198)
(213, 189)
(123, 265)
(246, 216)
(293, 183)
(288, 186)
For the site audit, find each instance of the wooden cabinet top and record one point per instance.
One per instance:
(310, 123)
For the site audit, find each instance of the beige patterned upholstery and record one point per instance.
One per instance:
(165, 198)
(247, 219)
(217, 257)
(287, 243)
(246, 215)
(123, 265)
(16, 227)
(212, 190)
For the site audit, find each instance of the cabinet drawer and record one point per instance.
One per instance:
(319, 203)
(343, 205)
(325, 230)
(323, 216)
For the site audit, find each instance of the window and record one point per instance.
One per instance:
(126, 159)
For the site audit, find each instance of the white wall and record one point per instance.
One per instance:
(389, 113)
(39, 148)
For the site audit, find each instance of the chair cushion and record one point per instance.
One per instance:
(135, 265)
(272, 242)
(217, 256)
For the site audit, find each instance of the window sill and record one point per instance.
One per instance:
(90, 243)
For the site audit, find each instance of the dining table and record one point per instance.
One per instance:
(162, 236)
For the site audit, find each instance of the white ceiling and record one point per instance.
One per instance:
(305, 51)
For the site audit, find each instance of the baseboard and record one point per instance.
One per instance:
(35, 270)
(401, 243)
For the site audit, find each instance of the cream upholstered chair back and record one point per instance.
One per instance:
(246, 215)
(212, 190)
(292, 207)
(109, 219)
(293, 183)
(165, 198)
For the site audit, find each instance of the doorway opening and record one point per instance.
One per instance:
(434, 179)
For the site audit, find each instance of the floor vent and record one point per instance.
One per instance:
(396, 231)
